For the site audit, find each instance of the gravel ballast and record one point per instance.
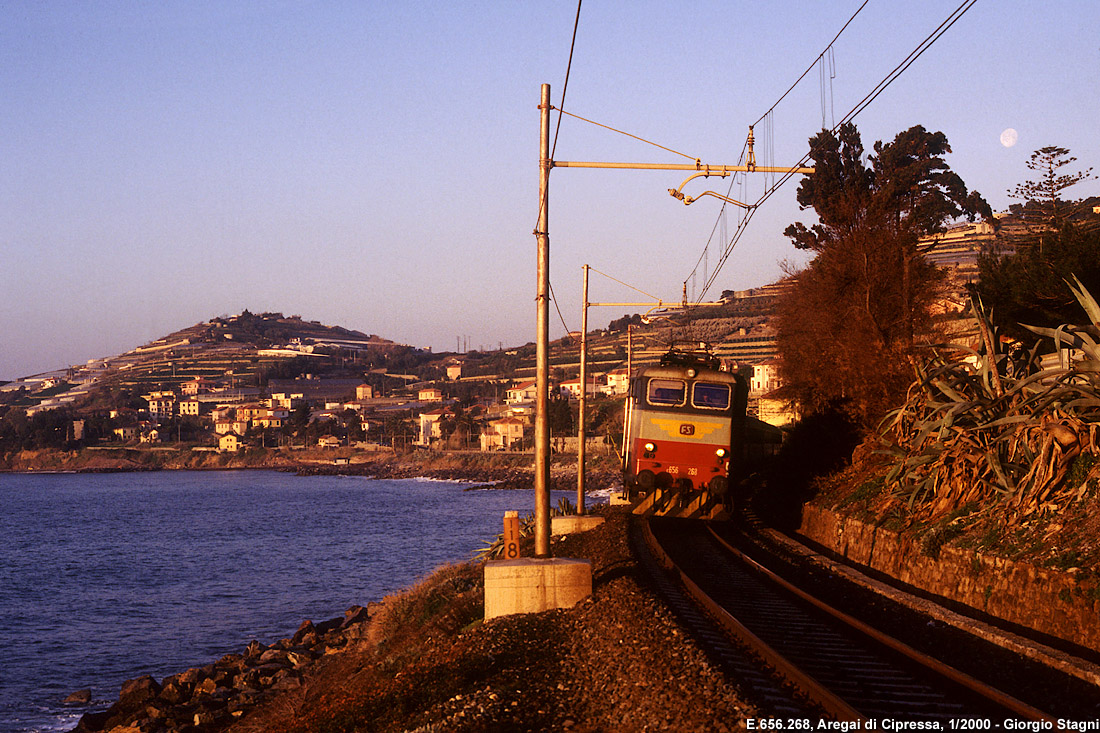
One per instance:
(617, 661)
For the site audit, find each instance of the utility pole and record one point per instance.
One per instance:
(581, 422)
(542, 344)
(542, 235)
(629, 384)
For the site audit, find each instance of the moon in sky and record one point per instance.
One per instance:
(1008, 138)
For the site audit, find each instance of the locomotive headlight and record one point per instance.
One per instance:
(649, 447)
(721, 452)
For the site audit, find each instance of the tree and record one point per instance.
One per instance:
(14, 429)
(560, 416)
(353, 424)
(1060, 240)
(848, 327)
(299, 418)
(1043, 205)
(1030, 286)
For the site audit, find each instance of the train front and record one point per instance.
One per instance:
(685, 425)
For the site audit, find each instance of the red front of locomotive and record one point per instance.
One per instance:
(680, 428)
(667, 462)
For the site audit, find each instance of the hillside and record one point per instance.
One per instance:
(250, 344)
(245, 346)
(282, 381)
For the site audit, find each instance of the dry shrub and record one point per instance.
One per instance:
(973, 430)
(447, 600)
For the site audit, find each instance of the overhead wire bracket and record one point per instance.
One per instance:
(721, 172)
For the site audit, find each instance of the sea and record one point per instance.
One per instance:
(108, 577)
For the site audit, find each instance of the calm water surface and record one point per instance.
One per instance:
(106, 577)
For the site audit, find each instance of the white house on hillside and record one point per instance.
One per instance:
(430, 427)
(618, 381)
(572, 388)
(522, 392)
(430, 394)
(765, 378)
(503, 434)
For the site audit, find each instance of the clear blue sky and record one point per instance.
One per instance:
(374, 164)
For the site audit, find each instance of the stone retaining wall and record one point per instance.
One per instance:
(1048, 601)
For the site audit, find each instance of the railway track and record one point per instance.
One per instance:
(818, 662)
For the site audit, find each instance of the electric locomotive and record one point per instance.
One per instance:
(684, 436)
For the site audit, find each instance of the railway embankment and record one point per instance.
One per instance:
(425, 660)
(1062, 604)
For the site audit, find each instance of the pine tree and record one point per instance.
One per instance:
(1060, 240)
(1043, 205)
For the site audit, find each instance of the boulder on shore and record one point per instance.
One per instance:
(80, 697)
(137, 691)
(208, 697)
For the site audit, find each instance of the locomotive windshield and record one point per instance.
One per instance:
(666, 391)
(710, 396)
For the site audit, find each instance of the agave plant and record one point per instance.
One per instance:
(972, 428)
(495, 548)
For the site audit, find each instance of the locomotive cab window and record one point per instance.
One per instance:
(666, 392)
(710, 396)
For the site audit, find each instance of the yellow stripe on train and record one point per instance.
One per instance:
(680, 429)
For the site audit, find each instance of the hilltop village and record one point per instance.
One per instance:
(271, 381)
(274, 382)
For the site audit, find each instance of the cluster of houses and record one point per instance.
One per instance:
(509, 426)
(232, 414)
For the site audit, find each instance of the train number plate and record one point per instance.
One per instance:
(677, 470)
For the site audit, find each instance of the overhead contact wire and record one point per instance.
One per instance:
(812, 64)
(554, 146)
(817, 61)
(859, 107)
(565, 84)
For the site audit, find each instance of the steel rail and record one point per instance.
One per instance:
(815, 691)
(944, 670)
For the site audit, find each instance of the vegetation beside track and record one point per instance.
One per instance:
(993, 452)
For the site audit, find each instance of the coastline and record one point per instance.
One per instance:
(424, 659)
(500, 470)
(152, 573)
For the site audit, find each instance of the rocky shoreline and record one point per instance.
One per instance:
(212, 696)
(425, 660)
(500, 470)
(562, 478)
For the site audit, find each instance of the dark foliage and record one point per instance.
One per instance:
(1030, 286)
(818, 445)
(1059, 239)
(46, 429)
(1043, 207)
(621, 324)
(848, 329)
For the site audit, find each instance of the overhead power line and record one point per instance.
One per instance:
(813, 63)
(557, 129)
(621, 132)
(767, 117)
(897, 71)
(565, 85)
(625, 284)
